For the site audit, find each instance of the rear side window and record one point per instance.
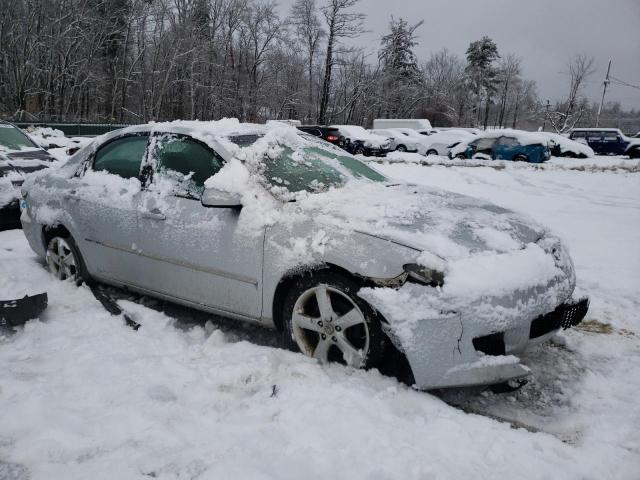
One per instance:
(189, 162)
(122, 157)
(610, 135)
(579, 135)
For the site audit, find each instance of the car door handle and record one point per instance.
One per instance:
(154, 214)
(71, 195)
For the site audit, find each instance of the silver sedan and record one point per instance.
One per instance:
(264, 224)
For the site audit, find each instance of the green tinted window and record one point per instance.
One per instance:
(314, 169)
(13, 139)
(192, 161)
(122, 157)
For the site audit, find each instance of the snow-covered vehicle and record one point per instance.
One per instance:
(442, 142)
(358, 141)
(270, 225)
(398, 141)
(562, 146)
(504, 144)
(607, 141)
(19, 156)
(420, 125)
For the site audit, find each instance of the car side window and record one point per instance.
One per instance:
(578, 134)
(187, 161)
(485, 143)
(610, 136)
(122, 156)
(508, 142)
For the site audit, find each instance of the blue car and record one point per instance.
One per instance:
(504, 147)
(607, 141)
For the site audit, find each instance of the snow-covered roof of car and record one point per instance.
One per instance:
(524, 138)
(595, 129)
(225, 128)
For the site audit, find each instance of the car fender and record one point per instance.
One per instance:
(293, 249)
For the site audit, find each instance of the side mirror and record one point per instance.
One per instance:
(219, 199)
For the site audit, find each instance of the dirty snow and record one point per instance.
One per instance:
(83, 396)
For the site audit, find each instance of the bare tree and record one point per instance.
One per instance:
(340, 24)
(304, 16)
(569, 112)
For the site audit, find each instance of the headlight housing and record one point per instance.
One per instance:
(423, 275)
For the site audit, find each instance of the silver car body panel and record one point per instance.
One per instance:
(177, 249)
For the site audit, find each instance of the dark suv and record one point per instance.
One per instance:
(607, 141)
(329, 134)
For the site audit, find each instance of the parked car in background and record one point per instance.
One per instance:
(607, 141)
(359, 141)
(328, 134)
(398, 141)
(562, 146)
(421, 125)
(19, 156)
(505, 144)
(442, 142)
(201, 214)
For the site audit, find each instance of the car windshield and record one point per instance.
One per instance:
(12, 138)
(311, 167)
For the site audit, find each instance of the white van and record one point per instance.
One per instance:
(421, 125)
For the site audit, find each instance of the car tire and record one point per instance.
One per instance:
(635, 153)
(344, 330)
(520, 158)
(64, 259)
(401, 148)
(432, 152)
(359, 150)
(461, 156)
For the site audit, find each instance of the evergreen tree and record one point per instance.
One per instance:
(482, 72)
(402, 79)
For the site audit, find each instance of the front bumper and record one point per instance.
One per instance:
(458, 341)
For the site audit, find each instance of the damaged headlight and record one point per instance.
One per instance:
(423, 275)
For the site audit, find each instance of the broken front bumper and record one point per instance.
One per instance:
(474, 343)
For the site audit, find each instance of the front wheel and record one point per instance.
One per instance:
(64, 259)
(401, 148)
(520, 158)
(433, 152)
(324, 319)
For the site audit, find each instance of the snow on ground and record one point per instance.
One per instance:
(84, 396)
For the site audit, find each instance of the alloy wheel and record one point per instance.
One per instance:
(328, 325)
(61, 260)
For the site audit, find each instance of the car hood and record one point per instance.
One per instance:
(446, 224)
(23, 161)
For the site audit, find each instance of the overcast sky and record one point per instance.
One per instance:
(545, 33)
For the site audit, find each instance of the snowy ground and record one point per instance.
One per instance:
(83, 396)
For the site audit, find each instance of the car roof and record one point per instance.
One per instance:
(220, 128)
(595, 129)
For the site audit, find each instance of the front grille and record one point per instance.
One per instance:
(565, 316)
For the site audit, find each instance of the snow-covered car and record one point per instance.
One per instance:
(398, 141)
(19, 156)
(49, 138)
(441, 143)
(358, 141)
(273, 226)
(504, 144)
(562, 146)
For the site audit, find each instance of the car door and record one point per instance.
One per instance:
(505, 148)
(103, 203)
(483, 148)
(596, 141)
(192, 253)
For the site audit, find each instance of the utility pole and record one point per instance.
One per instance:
(546, 114)
(604, 90)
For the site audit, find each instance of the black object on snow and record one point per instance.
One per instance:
(14, 313)
(111, 306)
